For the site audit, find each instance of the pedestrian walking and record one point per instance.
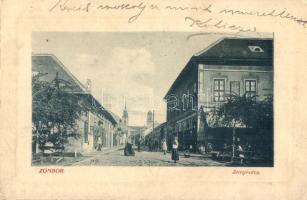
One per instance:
(164, 146)
(139, 144)
(99, 143)
(128, 151)
(175, 154)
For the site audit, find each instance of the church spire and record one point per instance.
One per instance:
(125, 114)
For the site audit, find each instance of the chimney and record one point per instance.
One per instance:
(88, 85)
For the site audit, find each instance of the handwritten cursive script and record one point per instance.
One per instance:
(70, 6)
(126, 6)
(273, 13)
(210, 12)
(64, 5)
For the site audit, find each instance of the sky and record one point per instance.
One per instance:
(133, 67)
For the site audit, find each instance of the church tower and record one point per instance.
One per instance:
(149, 120)
(125, 116)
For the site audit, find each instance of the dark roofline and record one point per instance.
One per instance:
(224, 38)
(116, 117)
(162, 124)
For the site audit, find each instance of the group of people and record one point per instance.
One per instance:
(153, 145)
(241, 152)
(129, 151)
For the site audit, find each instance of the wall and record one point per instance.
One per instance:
(262, 74)
(207, 73)
(183, 98)
(80, 145)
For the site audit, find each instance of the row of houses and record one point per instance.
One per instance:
(228, 66)
(95, 122)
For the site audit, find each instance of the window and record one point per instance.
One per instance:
(255, 49)
(250, 88)
(219, 90)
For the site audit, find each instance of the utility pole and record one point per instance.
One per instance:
(153, 121)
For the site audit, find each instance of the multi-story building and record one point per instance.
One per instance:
(96, 121)
(230, 65)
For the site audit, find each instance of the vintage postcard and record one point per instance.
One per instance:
(153, 99)
(144, 103)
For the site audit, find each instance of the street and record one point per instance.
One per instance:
(144, 158)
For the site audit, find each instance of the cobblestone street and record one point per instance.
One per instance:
(145, 158)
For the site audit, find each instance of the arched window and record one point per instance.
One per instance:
(255, 49)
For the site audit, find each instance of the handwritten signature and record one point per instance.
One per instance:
(218, 24)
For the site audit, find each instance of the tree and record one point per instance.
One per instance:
(244, 111)
(54, 112)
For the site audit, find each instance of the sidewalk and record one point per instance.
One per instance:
(88, 156)
(69, 161)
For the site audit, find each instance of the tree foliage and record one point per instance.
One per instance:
(245, 111)
(54, 111)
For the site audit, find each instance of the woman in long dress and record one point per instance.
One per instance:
(175, 155)
(128, 151)
(164, 146)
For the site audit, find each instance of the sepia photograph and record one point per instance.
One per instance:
(173, 99)
(153, 99)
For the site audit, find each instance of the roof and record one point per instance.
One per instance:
(160, 125)
(229, 50)
(116, 117)
(95, 104)
(232, 51)
(50, 65)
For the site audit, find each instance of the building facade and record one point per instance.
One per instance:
(95, 122)
(229, 66)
